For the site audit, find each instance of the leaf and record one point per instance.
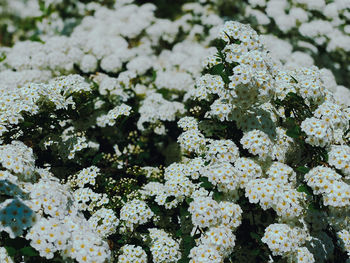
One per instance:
(155, 209)
(36, 38)
(189, 200)
(2, 57)
(29, 251)
(303, 169)
(304, 189)
(225, 78)
(11, 251)
(184, 212)
(325, 156)
(294, 132)
(178, 233)
(154, 75)
(206, 184)
(217, 69)
(220, 44)
(188, 240)
(218, 196)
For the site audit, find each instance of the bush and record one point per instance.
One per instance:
(180, 138)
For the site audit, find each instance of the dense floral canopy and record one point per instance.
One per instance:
(203, 131)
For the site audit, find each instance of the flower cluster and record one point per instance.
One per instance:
(135, 212)
(283, 239)
(328, 183)
(112, 115)
(131, 253)
(163, 247)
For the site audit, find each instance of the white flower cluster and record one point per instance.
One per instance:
(4, 256)
(329, 184)
(191, 140)
(247, 170)
(45, 200)
(339, 157)
(104, 221)
(257, 143)
(17, 158)
(156, 108)
(207, 212)
(163, 247)
(221, 238)
(87, 199)
(280, 196)
(61, 227)
(303, 255)
(221, 218)
(112, 115)
(283, 239)
(222, 175)
(318, 132)
(132, 254)
(223, 151)
(79, 145)
(134, 213)
(344, 238)
(87, 175)
(176, 187)
(72, 237)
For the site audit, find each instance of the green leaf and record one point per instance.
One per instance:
(29, 251)
(294, 132)
(36, 38)
(184, 212)
(155, 209)
(303, 169)
(154, 75)
(305, 189)
(2, 57)
(218, 196)
(206, 184)
(325, 156)
(217, 69)
(188, 240)
(189, 200)
(11, 251)
(225, 78)
(178, 233)
(220, 44)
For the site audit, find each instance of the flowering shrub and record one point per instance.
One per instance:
(136, 138)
